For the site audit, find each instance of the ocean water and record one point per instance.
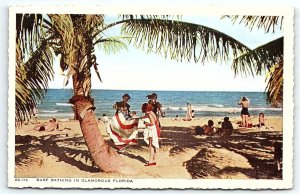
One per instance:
(205, 104)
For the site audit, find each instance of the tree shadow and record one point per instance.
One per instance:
(256, 147)
(50, 144)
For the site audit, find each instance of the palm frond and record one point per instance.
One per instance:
(63, 27)
(181, 40)
(112, 45)
(258, 60)
(32, 79)
(28, 30)
(268, 23)
(274, 87)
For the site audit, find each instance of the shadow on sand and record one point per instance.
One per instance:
(49, 144)
(254, 146)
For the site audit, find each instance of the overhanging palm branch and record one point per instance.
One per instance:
(32, 79)
(181, 40)
(268, 23)
(274, 87)
(33, 62)
(260, 59)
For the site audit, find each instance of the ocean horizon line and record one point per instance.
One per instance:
(161, 90)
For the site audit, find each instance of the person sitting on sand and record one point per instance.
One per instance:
(261, 120)
(123, 106)
(244, 102)
(206, 129)
(151, 132)
(226, 127)
(176, 118)
(51, 125)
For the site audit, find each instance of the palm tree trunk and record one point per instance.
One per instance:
(103, 155)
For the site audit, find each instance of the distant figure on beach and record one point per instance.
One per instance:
(205, 129)
(249, 121)
(151, 132)
(244, 102)
(104, 119)
(277, 146)
(188, 110)
(123, 106)
(51, 125)
(261, 120)
(155, 104)
(193, 114)
(226, 127)
(34, 112)
(176, 118)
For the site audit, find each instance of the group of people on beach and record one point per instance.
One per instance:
(151, 111)
(246, 117)
(225, 128)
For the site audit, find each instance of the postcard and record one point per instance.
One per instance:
(190, 97)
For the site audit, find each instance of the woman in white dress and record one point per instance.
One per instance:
(151, 132)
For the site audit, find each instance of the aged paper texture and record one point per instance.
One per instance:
(151, 97)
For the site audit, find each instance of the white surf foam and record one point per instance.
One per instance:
(63, 104)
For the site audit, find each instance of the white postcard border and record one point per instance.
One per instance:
(288, 110)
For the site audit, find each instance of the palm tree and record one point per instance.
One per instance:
(267, 58)
(72, 38)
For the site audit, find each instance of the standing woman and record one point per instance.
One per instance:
(244, 102)
(155, 104)
(151, 133)
(189, 111)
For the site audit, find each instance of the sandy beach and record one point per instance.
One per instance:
(246, 154)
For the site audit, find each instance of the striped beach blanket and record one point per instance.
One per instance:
(122, 131)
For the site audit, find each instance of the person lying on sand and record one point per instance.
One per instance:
(51, 125)
(206, 129)
(226, 127)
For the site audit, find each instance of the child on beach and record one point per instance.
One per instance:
(261, 120)
(151, 133)
(193, 114)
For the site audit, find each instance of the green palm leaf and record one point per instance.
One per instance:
(181, 40)
(258, 60)
(274, 87)
(268, 23)
(32, 79)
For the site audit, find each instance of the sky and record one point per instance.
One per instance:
(135, 69)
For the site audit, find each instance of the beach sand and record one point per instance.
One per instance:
(246, 154)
